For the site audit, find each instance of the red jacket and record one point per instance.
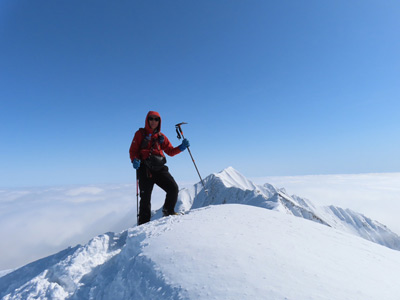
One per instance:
(154, 145)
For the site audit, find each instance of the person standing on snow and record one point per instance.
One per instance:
(147, 157)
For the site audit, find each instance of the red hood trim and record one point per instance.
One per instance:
(147, 126)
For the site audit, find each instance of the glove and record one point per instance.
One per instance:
(184, 145)
(136, 163)
(161, 139)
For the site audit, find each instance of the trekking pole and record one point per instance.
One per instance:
(137, 198)
(180, 135)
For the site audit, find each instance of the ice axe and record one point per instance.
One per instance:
(180, 135)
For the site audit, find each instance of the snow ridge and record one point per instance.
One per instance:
(215, 253)
(59, 276)
(229, 186)
(365, 227)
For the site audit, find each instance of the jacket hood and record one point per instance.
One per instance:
(147, 125)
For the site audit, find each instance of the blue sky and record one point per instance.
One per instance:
(271, 88)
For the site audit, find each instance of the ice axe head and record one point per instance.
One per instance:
(179, 130)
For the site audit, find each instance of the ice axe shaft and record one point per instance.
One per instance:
(137, 197)
(180, 135)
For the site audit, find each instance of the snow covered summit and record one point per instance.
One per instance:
(215, 253)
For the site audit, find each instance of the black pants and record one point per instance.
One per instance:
(147, 180)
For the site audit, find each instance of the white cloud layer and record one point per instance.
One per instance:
(38, 222)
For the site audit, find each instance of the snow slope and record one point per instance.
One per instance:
(218, 252)
(229, 186)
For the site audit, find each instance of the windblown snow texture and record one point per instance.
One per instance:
(220, 252)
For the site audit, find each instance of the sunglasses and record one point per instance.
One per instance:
(154, 119)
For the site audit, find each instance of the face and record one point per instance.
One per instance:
(153, 121)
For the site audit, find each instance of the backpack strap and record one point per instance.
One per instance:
(145, 142)
(154, 140)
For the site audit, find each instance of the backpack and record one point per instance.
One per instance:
(154, 162)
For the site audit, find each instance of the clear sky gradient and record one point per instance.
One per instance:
(271, 88)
